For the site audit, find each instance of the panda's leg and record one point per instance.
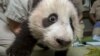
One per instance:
(23, 44)
(61, 53)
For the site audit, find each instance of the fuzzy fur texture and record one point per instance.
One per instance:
(57, 35)
(60, 29)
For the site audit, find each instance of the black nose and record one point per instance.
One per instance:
(63, 42)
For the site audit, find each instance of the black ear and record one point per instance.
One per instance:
(24, 42)
(35, 3)
(32, 4)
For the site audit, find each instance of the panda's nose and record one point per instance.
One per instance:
(63, 42)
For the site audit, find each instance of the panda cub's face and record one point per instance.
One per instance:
(50, 23)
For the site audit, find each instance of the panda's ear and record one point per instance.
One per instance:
(35, 3)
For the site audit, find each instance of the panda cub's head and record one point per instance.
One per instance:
(49, 22)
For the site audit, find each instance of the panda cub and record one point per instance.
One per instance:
(49, 22)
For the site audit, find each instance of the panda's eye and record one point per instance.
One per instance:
(53, 18)
(50, 20)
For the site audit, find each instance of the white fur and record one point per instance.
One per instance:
(61, 29)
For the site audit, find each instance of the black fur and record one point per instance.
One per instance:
(32, 4)
(50, 20)
(35, 3)
(25, 42)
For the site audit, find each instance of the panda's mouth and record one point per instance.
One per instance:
(58, 46)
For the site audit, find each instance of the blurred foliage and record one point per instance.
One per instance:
(93, 51)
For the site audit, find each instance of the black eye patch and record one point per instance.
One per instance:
(52, 18)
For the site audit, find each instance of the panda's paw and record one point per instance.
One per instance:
(17, 52)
